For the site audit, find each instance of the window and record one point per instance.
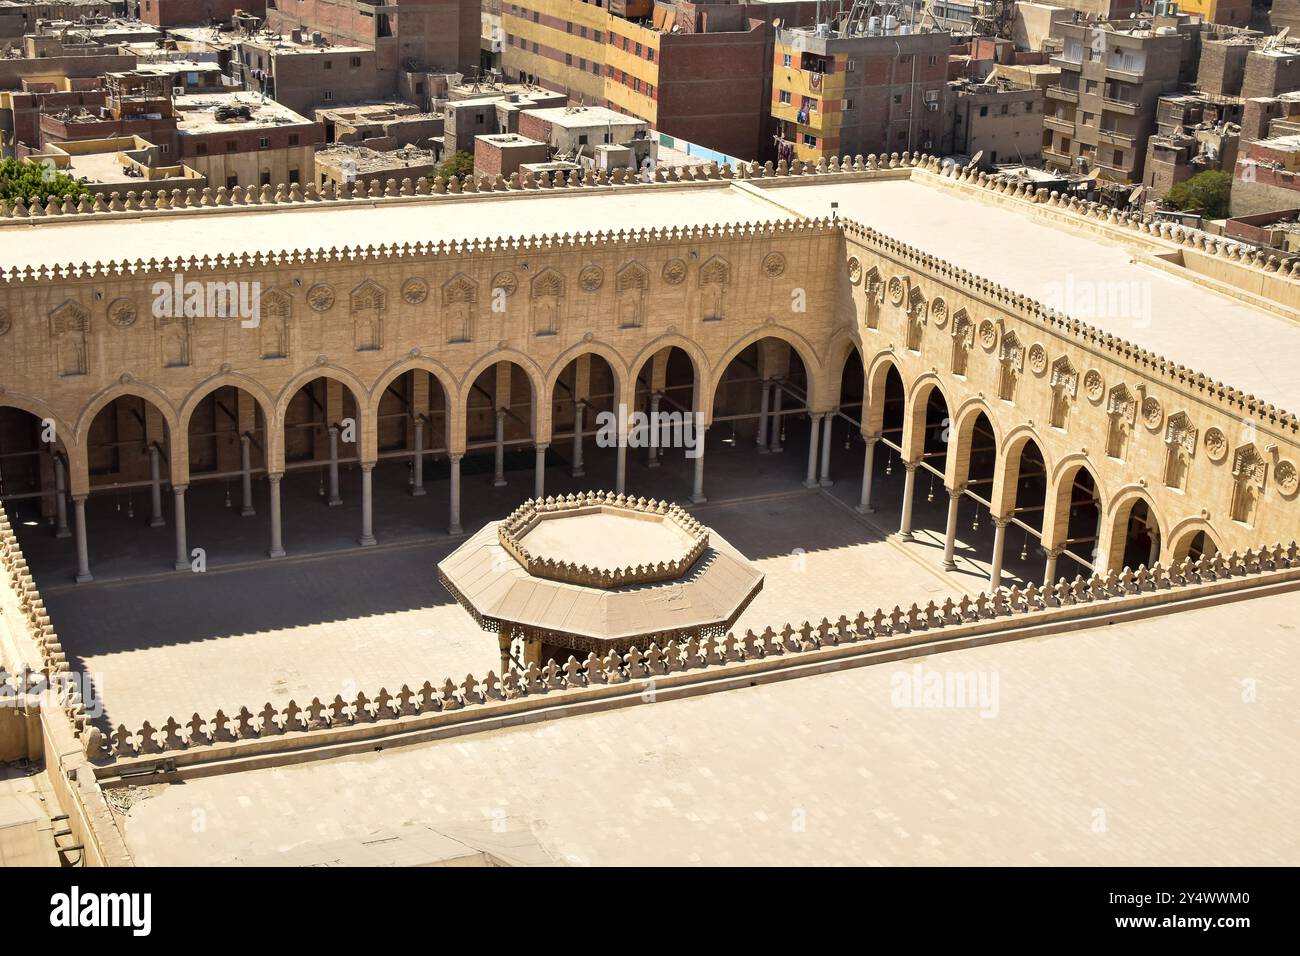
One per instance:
(582, 64)
(785, 59)
(232, 146)
(200, 149)
(327, 94)
(534, 16)
(582, 32)
(984, 111)
(232, 182)
(166, 149)
(293, 176)
(638, 49)
(595, 68)
(568, 59)
(649, 90)
(264, 179)
(898, 99)
(264, 143)
(356, 62)
(809, 139)
(327, 64)
(850, 66)
(568, 26)
(419, 89)
(934, 61)
(636, 85)
(846, 105)
(650, 53)
(293, 139)
(1005, 109)
(582, 139)
(600, 37)
(785, 97)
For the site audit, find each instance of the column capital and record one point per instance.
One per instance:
(274, 475)
(179, 489)
(541, 445)
(1002, 522)
(80, 499)
(366, 465)
(1054, 552)
(870, 437)
(454, 457)
(911, 466)
(957, 492)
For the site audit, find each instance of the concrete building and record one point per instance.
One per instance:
(344, 164)
(1112, 75)
(590, 136)
(180, 13)
(1228, 12)
(19, 17)
(240, 139)
(1000, 121)
(837, 92)
(1267, 176)
(381, 125)
(302, 71)
(504, 153)
(407, 36)
(701, 72)
(119, 165)
(490, 109)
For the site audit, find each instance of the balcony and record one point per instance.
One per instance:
(1061, 93)
(1126, 107)
(1060, 159)
(1116, 137)
(1058, 124)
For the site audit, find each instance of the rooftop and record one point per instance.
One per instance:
(582, 117)
(197, 112)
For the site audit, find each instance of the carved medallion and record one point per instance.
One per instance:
(415, 290)
(320, 297)
(773, 264)
(506, 282)
(1153, 415)
(939, 313)
(1216, 444)
(1288, 480)
(1037, 359)
(855, 270)
(674, 271)
(591, 278)
(988, 335)
(122, 313)
(1094, 386)
(896, 290)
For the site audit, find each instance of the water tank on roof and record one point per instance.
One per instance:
(891, 25)
(905, 30)
(873, 26)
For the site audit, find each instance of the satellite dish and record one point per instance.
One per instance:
(975, 160)
(1282, 35)
(1135, 195)
(1092, 175)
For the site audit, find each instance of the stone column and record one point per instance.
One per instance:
(578, 409)
(774, 446)
(61, 529)
(155, 489)
(417, 476)
(1153, 555)
(499, 474)
(178, 519)
(764, 396)
(826, 449)
(539, 471)
(83, 550)
(810, 481)
(334, 499)
(620, 474)
(453, 520)
(697, 491)
(277, 543)
(246, 474)
(909, 489)
(999, 543)
(1049, 573)
(503, 643)
(868, 466)
(367, 506)
(950, 535)
(653, 433)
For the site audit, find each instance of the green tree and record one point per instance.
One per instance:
(1206, 193)
(34, 180)
(458, 164)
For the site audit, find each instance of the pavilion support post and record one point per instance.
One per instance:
(246, 475)
(417, 464)
(367, 506)
(453, 519)
(61, 529)
(868, 465)
(277, 542)
(334, 499)
(83, 549)
(155, 488)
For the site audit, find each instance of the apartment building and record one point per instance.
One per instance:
(407, 36)
(179, 13)
(1103, 110)
(998, 121)
(1228, 12)
(303, 71)
(698, 71)
(241, 139)
(1195, 132)
(843, 92)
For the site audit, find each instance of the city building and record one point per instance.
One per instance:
(119, 165)
(381, 125)
(1228, 12)
(1195, 132)
(345, 164)
(589, 136)
(304, 70)
(865, 88)
(1267, 176)
(183, 13)
(243, 139)
(1000, 122)
(502, 154)
(477, 110)
(1104, 108)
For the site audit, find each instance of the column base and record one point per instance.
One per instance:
(698, 499)
(276, 553)
(865, 510)
(334, 502)
(950, 565)
(653, 463)
(576, 473)
(905, 536)
(455, 530)
(498, 482)
(181, 565)
(810, 484)
(366, 540)
(764, 451)
(775, 451)
(826, 483)
(65, 533)
(84, 578)
(419, 492)
(247, 512)
(158, 522)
